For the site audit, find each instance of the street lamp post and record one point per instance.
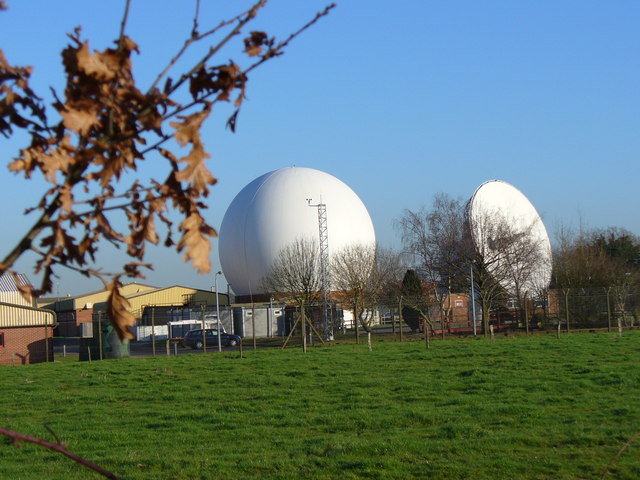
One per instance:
(473, 302)
(215, 282)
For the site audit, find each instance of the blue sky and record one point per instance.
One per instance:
(399, 99)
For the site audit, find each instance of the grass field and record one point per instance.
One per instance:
(516, 408)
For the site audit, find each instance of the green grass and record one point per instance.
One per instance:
(517, 408)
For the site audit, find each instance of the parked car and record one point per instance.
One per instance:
(194, 339)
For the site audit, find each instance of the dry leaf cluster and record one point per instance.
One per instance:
(98, 133)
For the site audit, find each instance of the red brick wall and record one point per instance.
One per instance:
(25, 345)
(84, 316)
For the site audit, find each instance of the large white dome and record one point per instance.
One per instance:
(272, 211)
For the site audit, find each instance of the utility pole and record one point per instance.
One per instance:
(324, 265)
(215, 283)
(473, 301)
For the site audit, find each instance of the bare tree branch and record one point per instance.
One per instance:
(60, 448)
(106, 126)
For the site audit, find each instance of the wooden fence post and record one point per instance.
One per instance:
(426, 335)
(608, 290)
(99, 335)
(153, 331)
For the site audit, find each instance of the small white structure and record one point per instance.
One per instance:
(273, 211)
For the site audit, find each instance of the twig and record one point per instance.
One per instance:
(133, 203)
(60, 448)
(620, 452)
(216, 48)
(55, 435)
(123, 24)
(194, 31)
(248, 16)
(87, 272)
(27, 241)
(276, 51)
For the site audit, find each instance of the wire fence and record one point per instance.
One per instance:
(576, 308)
(594, 308)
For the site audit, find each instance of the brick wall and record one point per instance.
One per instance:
(84, 316)
(25, 345)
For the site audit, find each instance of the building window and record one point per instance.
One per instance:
(1, 339)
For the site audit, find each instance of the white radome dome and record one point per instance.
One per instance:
(272, 211)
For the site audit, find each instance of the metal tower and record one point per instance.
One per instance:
(324, 265)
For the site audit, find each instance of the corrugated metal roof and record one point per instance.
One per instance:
(126, 289)
(24, 316)
(175, 295)
(92, 298)
(8, 281)
(9, 292)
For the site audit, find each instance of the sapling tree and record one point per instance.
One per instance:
(361, 277)
(295, 276)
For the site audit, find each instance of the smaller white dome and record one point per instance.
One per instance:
(501, 199)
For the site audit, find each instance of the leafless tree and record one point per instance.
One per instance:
(436, 240)
(351, 269)
(504, 255)
(361, 277)
(523, 257)
(508, 260)
(295, 276)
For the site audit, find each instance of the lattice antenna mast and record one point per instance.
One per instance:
(324, 265)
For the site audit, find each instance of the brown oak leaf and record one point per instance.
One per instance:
(66, 198)
(188, 130)
(196, 240)
(196, 171)
(58, 160)
(95, 65)
(118, 310)
(80, 121)
(253, 43)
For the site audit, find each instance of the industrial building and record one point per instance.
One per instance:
(150, 305)
(26, 332)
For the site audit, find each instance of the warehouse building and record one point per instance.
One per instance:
(26, 332)
(150, 305)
